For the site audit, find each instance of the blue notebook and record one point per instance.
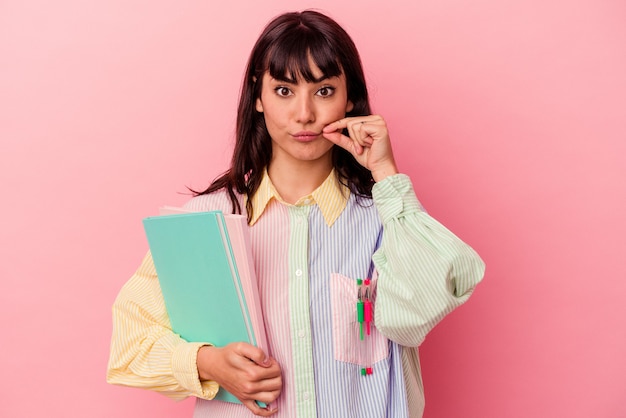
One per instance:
(198, 275)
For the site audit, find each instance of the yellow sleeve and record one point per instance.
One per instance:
(145, 352)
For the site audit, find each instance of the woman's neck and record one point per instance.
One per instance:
(295, 180)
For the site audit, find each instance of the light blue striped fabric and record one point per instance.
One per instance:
(347, 249)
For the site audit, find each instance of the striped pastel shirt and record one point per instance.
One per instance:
(308, 257)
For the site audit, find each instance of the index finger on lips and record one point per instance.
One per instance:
(342, 123)
(335, 126)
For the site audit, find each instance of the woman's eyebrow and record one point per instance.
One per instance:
(289, 80)
(317, 82)
(283, 80)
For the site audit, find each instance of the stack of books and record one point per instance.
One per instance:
(206, 272)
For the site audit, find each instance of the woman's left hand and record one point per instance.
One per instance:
(368, 142)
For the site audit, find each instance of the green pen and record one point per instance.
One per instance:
(360, 316)
(360, 311)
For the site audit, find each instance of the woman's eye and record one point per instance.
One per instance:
(283, 91)
(326, 91)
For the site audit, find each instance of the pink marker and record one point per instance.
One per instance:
(367, 315)
(367, 311)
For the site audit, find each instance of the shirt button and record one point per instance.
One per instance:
(305, 395)
(301, 333)
(307, 201)
(298, 272)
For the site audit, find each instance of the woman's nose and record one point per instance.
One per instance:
(305, 110)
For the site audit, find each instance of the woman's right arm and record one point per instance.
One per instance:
(145, 352)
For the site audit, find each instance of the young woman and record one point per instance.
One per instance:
(314, 172)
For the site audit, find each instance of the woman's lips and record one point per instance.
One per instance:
(305, 136)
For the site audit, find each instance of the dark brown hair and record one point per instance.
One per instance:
(283, 49)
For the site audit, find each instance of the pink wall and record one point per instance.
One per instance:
(509, 116)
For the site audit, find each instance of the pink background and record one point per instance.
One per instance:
(510, 116)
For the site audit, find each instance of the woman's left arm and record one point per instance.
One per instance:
(424, 270)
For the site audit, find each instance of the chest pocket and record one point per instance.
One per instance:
(347, 342)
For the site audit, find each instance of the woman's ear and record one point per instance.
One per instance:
(349, 106)
(258, 105)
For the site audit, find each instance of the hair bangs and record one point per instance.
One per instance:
(292, 57)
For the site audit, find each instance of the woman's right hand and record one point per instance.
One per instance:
(243, 370)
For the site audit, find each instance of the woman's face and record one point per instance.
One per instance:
(296, 112)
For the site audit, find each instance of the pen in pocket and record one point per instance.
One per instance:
(364, 319)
